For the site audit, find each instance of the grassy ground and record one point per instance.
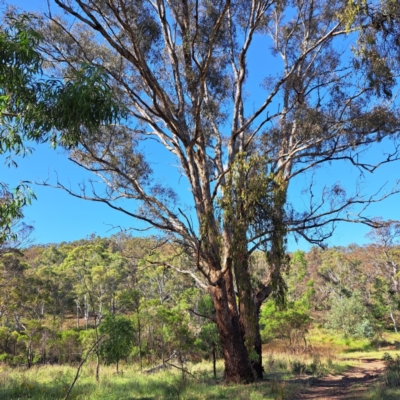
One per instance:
(52, 382)
(325, 354)
(330, 354)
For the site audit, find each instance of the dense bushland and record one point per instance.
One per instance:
(57, 300)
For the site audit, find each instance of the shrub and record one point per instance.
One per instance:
(291, 323)
(391, 376)
(298, 368)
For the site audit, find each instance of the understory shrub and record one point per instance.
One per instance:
(391, 376)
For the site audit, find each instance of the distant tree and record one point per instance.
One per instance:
(342, 274)
(97, 274)
(119, 338)
(385, 303)
(385, 256)
(349, 315)
(296, 275)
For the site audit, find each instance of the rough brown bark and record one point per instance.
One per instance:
(249, 315)
(237, 364)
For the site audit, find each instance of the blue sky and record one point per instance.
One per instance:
(58, 217)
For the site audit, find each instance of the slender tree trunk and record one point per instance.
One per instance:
(29, 355)
(214, 362)
(237, 364)
(77, 314)
(86, 312)
(257, 362)
(162, 345)
(96, 349)
(139, 342)
(393, 319)
(97, 365)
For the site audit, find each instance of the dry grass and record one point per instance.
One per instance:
(323, 355)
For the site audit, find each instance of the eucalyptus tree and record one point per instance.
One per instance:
(184, 70)
(34, 107)
(97, 275)
(385, 259)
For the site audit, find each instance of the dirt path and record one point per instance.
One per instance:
(351, 385)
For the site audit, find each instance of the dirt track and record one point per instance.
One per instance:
(351, 385)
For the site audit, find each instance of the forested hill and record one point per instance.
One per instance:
(53, 296)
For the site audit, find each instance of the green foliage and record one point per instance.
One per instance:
(65, 347)
(298, 368)
(176, 333)
(206, 306)
(250, 169)
(34, 108)
(391, 376)
(38, 109)
(349, 316)
(295, 276)
(208, 340)
(11, 204)
(290, 323)
(119, 338)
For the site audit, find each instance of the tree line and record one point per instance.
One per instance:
(57, 300)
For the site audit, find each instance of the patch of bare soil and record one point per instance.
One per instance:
(353, 384)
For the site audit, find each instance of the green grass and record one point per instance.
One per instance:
(326, 354)
(381, 392)
(321, 357)
(326, 338)
(52, 382)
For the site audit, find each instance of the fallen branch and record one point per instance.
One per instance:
(183, 370)
(163, 365)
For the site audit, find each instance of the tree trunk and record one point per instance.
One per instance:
(77, 314)
(249, 302)
(29, 354)
(97, 351)
(237, 364)
(139, 342)
(248, 315)
(248, 310)
(86, 312)
(97, 365)
(257, 362)
(214, 362)
(393, 319)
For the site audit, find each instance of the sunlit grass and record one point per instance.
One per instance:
(52, 382)
(325, 354)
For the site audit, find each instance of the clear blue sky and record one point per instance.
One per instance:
(59, 217)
